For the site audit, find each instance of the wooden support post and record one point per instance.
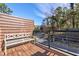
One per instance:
(5, 48)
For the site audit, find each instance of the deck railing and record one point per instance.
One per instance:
(67, 40)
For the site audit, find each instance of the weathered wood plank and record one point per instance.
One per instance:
(29, 49)
(11, 24)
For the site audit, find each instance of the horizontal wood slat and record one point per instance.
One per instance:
(11, 24)
(9, 17)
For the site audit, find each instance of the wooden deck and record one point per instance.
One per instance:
(29, 49)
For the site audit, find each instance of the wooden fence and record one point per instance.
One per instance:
(11, 24)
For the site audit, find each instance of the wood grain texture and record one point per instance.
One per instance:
(11, 24)
(29, 49)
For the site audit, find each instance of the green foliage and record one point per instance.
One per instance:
(4, 9)
(37, 29)
(63, 17)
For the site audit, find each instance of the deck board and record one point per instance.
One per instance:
(1, 53)
(29, 49)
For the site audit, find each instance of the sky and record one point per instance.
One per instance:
(33, 11)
